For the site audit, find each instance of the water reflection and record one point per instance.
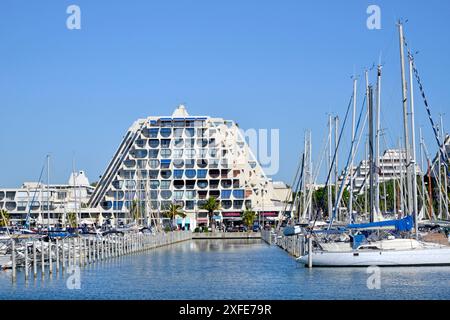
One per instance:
(225, 269)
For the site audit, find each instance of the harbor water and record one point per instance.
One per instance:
(225, 269)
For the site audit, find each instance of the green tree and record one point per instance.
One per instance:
(136, 209)
(211, 205)
(248, 217)
(4, 218)
(174, 211)
(72, 219)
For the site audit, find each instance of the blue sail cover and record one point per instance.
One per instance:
(405, 224)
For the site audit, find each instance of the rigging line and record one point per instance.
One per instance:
(339, 140)
(350, 157)
(353, 155)
(440, 143)
(27, 220)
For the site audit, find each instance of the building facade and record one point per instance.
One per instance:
(185, 160)
(44, 204)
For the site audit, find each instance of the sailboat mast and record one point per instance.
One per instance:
(443, 136)
(413, 159)
(422, 165)
(336, 167)
(330, 200)
(371, 154)
(48, 193)
(352, 170)
(405, 119)
(377, 142)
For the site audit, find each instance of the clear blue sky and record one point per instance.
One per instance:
(264, 64)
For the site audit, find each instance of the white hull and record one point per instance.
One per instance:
(392, 258)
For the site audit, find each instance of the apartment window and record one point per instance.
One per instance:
(201, 173)
(202, 184)
(165, 143)
(166, 194)
(153, 194)
(166, 153)
(190, 173)
(178, 174)
(117, 184)
(139, 154)
(190, 153)
(166, 132)
(190, 194)
(190, 184)
(178, 143)
(154, 184)
(189, 132)
(165, 184)
(153, 154)
(178, 163)
(178, 123)
(142, 174)
(130, 195)
(178, 132)
(153, 143)
(226, 194)
(202, 143)
(178, 195)
(201, 132)
(226, 204)
(140, 143)
(238, 194)
(130, 184)
(153, 133)
(177, 153)
(165, 164)
(166, 174)
(141, 164)
(214, 163)
(190, 205)
(189, 163)
(237, 204)
(189, 143)
(62, 195)
(154, 164)
(202, 163)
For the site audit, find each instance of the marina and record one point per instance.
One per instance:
(198, 159)
(251, 270)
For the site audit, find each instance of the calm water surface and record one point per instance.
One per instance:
(230, 269)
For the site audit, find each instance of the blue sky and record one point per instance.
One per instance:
(265, 64)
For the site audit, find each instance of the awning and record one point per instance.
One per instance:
(231, 214)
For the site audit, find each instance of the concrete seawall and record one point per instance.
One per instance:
(227, 235)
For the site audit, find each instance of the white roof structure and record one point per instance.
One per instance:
(80, 179)
(180, 112)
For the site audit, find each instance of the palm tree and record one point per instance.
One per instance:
(72, 219)
(135, 210)
(4, 218)
(248, 217)
(174, 211)
(211, 205)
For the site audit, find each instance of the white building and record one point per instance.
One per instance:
(45, 204)
(185, 160)
(392, 163)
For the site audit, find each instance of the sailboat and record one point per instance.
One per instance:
(365, 246)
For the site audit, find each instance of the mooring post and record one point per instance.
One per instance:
(34, 259)
(74, 260)
(310, 252)
(42, 258)
(50, 267)
(13, 259)
(80, 252)
(63, 254)
(26, 260)
(57, 255)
